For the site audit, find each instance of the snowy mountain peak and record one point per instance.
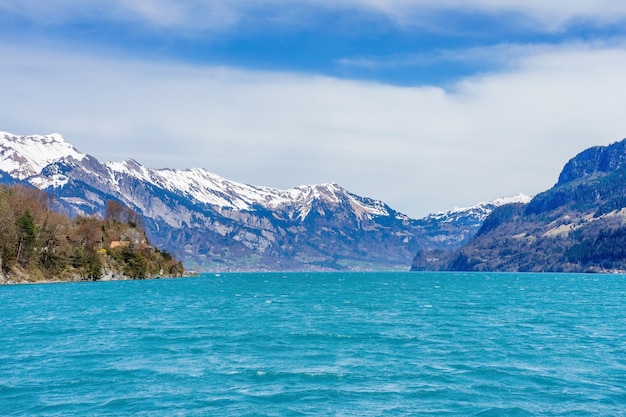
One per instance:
(25, 156)
(478, 212)
(517, 198)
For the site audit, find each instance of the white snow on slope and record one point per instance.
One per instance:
(54, 181)
(208, 188)
(25, 156)
(517, 198)
(480, 210)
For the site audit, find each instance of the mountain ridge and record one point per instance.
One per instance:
(216, 224)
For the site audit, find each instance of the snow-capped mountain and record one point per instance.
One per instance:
(216, 224)
(453, 228)
(476, 213)
(203, 187)
(25, 156)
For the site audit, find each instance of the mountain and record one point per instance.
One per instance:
(474, 215)
(453, 228)
(579, 225)
(212, 223)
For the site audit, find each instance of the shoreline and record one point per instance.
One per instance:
(25, 280)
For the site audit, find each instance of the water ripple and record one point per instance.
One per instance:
(380, 344)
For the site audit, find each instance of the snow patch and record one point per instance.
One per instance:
(54, 181)
(517, 198)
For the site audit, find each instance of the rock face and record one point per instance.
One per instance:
(598, 159)
(212, 223)
(578, 225)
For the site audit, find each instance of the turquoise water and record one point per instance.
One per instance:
(360, 344)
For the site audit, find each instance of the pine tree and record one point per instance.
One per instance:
(26, 236)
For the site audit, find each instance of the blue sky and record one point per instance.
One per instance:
(423, 104)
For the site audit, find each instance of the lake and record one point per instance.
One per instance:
(294, 344)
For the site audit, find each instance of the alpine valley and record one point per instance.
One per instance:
(579, 225)
(213, 224)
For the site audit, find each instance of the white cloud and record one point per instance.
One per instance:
(501, 56)
(420, 149)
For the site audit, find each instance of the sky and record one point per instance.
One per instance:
(423, 104)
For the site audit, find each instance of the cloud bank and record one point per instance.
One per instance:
(420, 149)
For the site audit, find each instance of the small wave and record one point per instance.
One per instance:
(509, 412)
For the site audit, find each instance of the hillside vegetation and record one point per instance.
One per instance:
(38, 243)
(579, 225)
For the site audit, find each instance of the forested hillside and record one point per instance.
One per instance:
(579, 225)
(38, 243)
